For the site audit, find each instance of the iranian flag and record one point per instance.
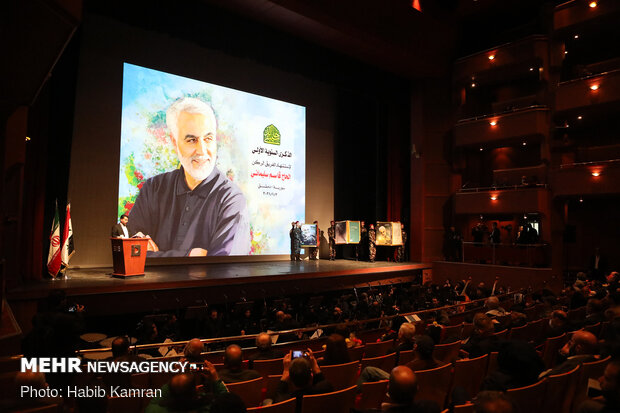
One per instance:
(67, 236)
(53, 257)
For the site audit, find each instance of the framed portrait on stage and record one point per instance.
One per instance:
(347, 232)
(388, 233)
(308, 235)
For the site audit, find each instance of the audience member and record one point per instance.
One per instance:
(423, 355)
(482, 341)
(265, 350)
(558, 324)
(227, 403)
(181, 394)
(609, 401)
(518, 365)
(19, 402)
(301, 376)
(336, 351)
(581, 348)
(494, 402)
(233, 371)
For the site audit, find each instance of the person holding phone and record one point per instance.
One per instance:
(301, 376)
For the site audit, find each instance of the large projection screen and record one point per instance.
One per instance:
(250, 163)
(99, 160)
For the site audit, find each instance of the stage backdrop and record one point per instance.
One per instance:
(261, 148)
(96, 159)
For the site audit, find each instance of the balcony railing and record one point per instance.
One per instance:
(531, 255)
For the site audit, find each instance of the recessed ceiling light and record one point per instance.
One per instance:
(576, 36)
(579, 117)
(493, 123)
(491, 57)
(593, 4)
(594, 87)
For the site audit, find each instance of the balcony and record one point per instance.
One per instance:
(507, 61)
(513, 176)
(577, 12)
(504, 128)
(506, 200)
(587, 178)
(596, 90)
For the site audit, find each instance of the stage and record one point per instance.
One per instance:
(171, 287)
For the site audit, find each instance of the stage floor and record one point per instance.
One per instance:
(100, 280)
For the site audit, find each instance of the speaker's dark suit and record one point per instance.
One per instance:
(117, 231)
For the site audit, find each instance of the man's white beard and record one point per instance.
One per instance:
(198, 173)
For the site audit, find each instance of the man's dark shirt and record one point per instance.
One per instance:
(213, 216)
(237, 376)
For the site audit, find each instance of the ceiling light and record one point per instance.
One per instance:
(481, 149)
(491, 57)
(524, 143)
(580, 199)
(493, 197)
(594, 87)
(596, 173)
(531, 69)
(576, 36)
(565, 51)
(579, 117)
(493, 123)
(473, 85)
(593, 4)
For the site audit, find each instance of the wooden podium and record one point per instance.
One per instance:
(129, 256)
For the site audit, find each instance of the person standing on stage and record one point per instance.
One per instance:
(359, 248)
(400, 251)
(121, 230)
(297, 242)
(331, 234)
(291, 233)
(372, 243)
(314, 251)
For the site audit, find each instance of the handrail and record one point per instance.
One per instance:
(578, 79)
(304, 329)
(502, 187)
(589, 163)
(489, 115)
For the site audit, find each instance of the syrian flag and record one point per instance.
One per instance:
(67, 236)
(53, 257)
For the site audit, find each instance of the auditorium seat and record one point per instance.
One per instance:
(592, 370)
(560, 391)
(269, 367)
(356, 353)
(469, 373)
(451, 332)
(140, 380)
(501, 335)
(434, 384)
(538, 328)
(373, 394)
(157, 380)
(604, 328)
(594, 328)
(340, 401)
(447, 352)
(529, 398)
(287, 406)
(523, 333)
(341, 375)
(576, 316)
(464, 408)
(271, 385)
(405, 357)
(467, 330)
(250, 391)
(377, 349)
(492, 362)
(385, 363)
(551, 347)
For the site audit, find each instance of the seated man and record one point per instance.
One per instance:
(301, 376)
(609, 401)
(494, 402)
(180, 393)
(423, 355)
(402, 389)
(24, 401)
(482, 341)
(581, 348)
(120, 352)
(265, 350)
(493, 307)
(406, 340)
(233, 371)
(193, 351)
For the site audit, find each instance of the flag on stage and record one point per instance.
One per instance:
(67, 236)
(53, 257)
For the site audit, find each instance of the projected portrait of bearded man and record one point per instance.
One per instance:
(194, 210)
